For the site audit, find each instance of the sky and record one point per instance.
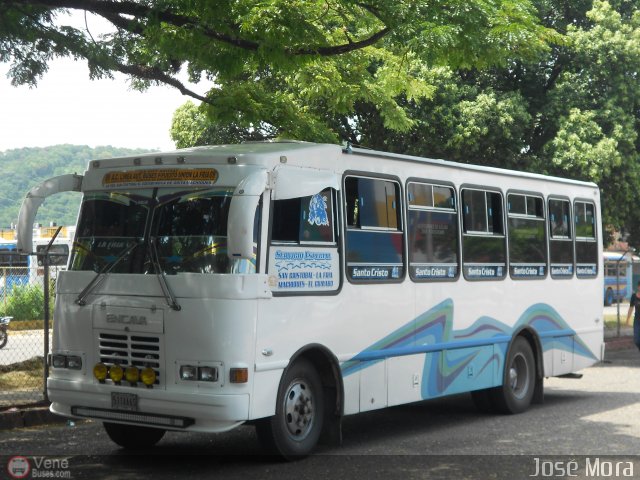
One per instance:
(67, 107)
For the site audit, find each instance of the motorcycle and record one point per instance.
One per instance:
(4, 333)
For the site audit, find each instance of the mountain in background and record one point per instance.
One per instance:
(24, 168)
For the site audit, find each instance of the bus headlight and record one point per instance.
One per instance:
(74, 362)
(208, 374)
(188, 372)
(58, 361)
(202, 373)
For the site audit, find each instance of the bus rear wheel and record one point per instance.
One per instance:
(518, 383)
(294, 430)
(133, 437)
(608, 299)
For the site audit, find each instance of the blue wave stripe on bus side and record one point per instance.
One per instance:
(433, 333)
(553, 330)
(430, 325)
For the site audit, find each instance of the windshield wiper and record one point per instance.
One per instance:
(102, 274)
(164, 286)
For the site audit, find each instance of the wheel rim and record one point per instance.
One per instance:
(519, 376)
(299, 411)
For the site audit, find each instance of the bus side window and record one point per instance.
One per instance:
(484, 251)
(303, 256)
(433, 232)
(374, 236)
(305, 220)
(586, 242)
(561, 264)
(527, 237)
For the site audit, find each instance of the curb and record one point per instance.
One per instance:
(619, 343)
(28, 417)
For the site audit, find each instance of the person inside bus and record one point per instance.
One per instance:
(634, 304)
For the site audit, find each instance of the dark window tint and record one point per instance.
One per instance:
(110, 225)
(115, 214)
(304, 220)
(433, 232)
(586, 244)
(559, 219)
(372, 203)
(374, 236)
(527, 241)
(561, 263)
(483, 241)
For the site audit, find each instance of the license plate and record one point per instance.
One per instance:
(124, 401)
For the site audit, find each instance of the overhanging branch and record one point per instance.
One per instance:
(117, 13)
(155, 74)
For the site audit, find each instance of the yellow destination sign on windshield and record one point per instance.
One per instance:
(162, 177)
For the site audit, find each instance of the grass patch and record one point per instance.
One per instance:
(26, 375)
(611, 320)
(18, 325)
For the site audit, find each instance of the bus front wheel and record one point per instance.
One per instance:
(518, 384)
(294, 430)
(133, 437)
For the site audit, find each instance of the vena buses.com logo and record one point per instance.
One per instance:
(38, 467)
(18, 467)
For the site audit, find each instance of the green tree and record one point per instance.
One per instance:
(280, 66)
(572, 111)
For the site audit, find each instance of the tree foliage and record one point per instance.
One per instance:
(572, 111)
(543, 85)
(279, 66)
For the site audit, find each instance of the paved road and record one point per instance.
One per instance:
(582, 420)
(22, 345)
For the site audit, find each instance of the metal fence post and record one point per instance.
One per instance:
(45, 264)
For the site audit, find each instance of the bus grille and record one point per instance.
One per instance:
(137, 350)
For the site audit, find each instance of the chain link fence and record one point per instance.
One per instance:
(26, 293)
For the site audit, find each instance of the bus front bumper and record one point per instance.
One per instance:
(150, 407)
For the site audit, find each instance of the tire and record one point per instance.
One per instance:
(608, 298)
(519, 379)
(294, 430)
(4, 337)
(133, 437)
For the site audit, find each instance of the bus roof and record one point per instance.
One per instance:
(256, 151)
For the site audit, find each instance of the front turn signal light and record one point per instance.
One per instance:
(148, 376)
(239, 375)
(100, 372)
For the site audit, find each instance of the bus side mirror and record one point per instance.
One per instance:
(242, 213)
(32, 202)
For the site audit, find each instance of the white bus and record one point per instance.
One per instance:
(290, 284)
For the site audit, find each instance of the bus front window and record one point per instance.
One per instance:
(189, 231)
(109, 222)
(171, 230)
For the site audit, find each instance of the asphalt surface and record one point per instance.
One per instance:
(593, 421)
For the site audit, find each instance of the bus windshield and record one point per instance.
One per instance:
(176, 231)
